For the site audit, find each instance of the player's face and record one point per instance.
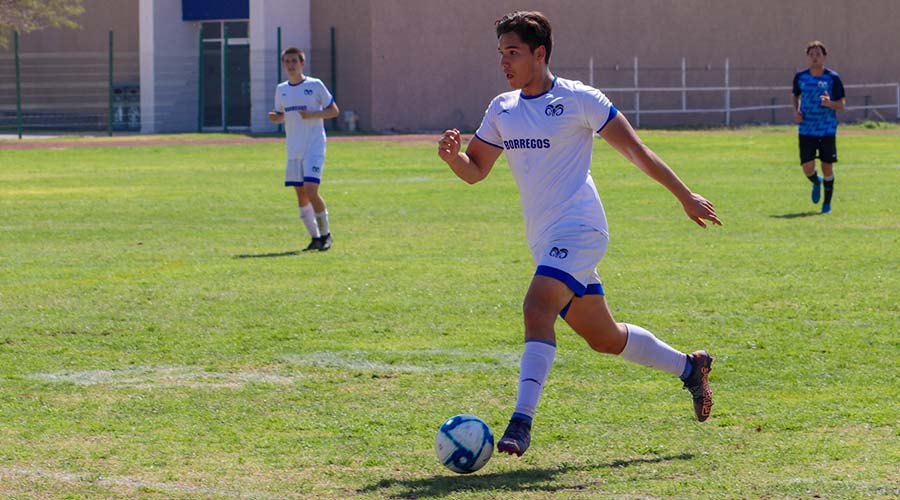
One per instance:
(519, 64)
(816, 58)
(292, 65)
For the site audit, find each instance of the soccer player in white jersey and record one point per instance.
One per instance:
(302, 103)
(546, 127)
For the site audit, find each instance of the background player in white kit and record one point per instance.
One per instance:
(546, 128)
(302, 103)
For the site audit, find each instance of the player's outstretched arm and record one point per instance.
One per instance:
(473, 165)
(620, 135)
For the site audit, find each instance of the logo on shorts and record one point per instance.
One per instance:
(316, 169)
(307, 91)
(554, 110)
(559, 253)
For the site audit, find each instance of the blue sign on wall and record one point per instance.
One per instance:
(203, 10)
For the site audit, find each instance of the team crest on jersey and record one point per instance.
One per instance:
(503, 111)
(559, 253)
(554, 110)
(308, 91)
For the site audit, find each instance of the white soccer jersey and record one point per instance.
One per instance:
(547, 140)
(305, 138)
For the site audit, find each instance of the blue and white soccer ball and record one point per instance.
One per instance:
(464, 443)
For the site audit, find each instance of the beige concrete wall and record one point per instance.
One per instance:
(353, 24)
(80, 59)
(100, 16)
(428, 64)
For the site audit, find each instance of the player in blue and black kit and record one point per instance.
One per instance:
(545, 127)
(818, 94)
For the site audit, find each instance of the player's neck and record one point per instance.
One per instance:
(818, 71)
(539, 85)
(297, 79)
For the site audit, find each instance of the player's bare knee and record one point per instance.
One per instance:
(605, 342)
(538, 314)
(598, 345)
(311, 190)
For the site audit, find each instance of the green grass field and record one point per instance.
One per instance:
(162, 337)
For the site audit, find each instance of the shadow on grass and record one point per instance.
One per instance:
(513, 481)
(267, 255)
(794, 216)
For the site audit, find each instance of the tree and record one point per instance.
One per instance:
(26, 16)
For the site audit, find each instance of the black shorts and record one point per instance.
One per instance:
(821, 147)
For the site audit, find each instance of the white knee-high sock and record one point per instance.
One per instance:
(322, 220)
(645, 349)
(535, 365)
(308, 216)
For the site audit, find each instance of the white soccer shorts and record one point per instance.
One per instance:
(572, 257)
(307, 169)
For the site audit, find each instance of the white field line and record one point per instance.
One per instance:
(407, 361)
(164, 376)
(128, 482)
(400, 361)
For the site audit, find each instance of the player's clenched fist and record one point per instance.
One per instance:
(448, 146)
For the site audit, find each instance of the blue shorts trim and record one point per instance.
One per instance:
(566, 278)
(592, 289)
(292, 183)
(311, 179)
(562, 314)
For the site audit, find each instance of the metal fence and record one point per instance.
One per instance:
(77, 91)
(207, 89)
(716, 95)
(100, 91)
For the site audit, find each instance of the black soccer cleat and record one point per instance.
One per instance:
(516, 438)
(315, 244)
(697, 384)
(325, 242)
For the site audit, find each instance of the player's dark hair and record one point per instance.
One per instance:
(294, 50)
(814, 44)
(533, 28)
